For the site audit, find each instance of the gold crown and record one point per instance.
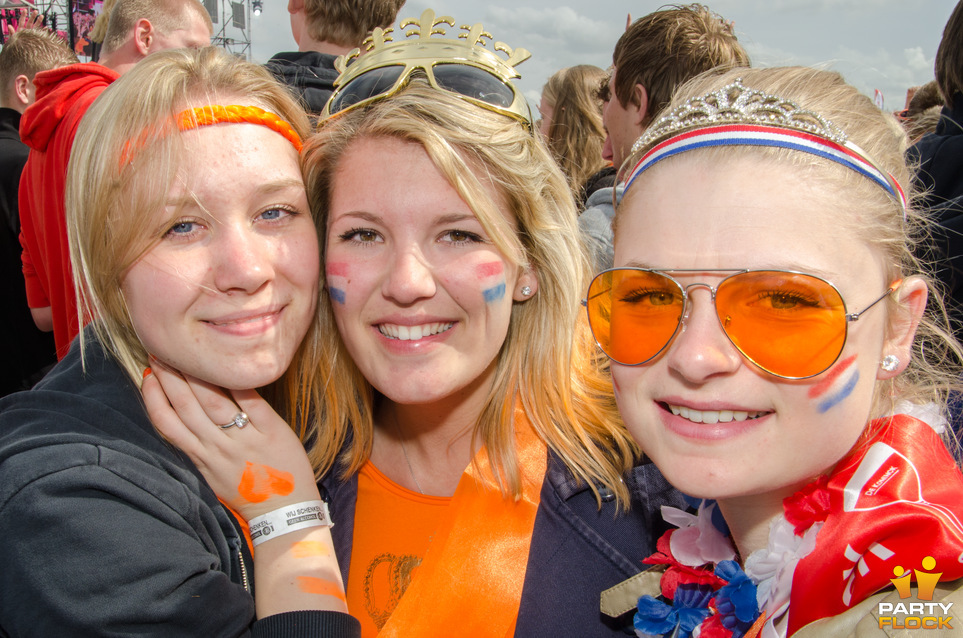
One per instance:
(469, 46)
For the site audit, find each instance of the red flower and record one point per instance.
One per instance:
(677, 573)
(808, 506)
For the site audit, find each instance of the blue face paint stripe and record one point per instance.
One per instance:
(336, 294)
(838, 397)
(494, 294)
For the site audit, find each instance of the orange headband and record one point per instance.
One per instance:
(217, 114)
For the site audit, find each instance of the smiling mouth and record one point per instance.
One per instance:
(713, 416)
(243, 320)
(413, 333)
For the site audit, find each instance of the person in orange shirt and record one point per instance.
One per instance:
(478, 476)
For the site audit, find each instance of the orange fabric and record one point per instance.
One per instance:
(392, 530)
(245, 530)
(470, 581)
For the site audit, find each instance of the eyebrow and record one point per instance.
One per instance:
(794, 267)
(452, 218)
(270, 188)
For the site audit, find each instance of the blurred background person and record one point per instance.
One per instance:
(939, 156)
(25, 350)
(656, 54)
(135, 29)
(323, 30)
(571, 123)
(922, 113)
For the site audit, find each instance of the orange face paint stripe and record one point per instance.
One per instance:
(321, 587)
(261, 482)
(310, 549)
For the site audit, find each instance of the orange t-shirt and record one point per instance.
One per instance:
(393, 527)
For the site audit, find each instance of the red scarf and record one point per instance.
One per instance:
(893, 501)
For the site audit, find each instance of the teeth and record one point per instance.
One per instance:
(712, 416)
(413, 333)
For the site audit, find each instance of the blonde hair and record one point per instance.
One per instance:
(548, 363)
(27, 52)
(124, 160)
(876, 216)
(576, 134)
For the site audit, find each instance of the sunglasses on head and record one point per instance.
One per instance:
(471, 83)
(789, 324)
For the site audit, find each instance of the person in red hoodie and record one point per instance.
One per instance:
(135, 29)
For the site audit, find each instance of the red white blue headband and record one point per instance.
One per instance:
(737, 116)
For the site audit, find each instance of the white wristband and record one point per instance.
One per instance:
(289, 519)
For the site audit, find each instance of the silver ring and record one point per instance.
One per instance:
(240, 420)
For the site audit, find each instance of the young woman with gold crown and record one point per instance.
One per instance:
(478, 475)
(772, 354)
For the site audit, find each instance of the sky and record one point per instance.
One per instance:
(885, 45)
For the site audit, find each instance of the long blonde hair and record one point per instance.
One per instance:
(576, 135)
(548, 362)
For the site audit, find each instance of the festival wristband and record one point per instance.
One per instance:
(289, 519)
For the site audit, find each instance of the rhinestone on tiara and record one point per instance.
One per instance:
(736, 104)
(737, 116)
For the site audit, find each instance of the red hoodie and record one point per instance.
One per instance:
(48, 127)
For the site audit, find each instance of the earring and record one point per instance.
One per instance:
(526, 291)
(889, 363)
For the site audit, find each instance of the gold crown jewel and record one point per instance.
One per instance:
(736, 104)
(380, 49)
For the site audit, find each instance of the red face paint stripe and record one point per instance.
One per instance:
(338, 270)
(489, 270)
(823, 386)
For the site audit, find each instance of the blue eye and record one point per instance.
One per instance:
(182, 228)
(273, 214)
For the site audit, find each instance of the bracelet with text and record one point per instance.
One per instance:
(289, 519)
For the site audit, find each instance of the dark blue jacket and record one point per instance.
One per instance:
(110, 531)
(577, 549)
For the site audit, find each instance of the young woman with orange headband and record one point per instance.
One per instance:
(194, 250)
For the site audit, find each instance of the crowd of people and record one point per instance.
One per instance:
(353, 344)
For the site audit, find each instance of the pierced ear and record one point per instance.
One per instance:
(641, 96)
(913, 293)
(526, 286)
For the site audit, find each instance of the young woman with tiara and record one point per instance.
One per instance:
(194, 250)
(772, 353)
(477, 472)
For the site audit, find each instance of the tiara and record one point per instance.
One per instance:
(738, 116)
(379, 48)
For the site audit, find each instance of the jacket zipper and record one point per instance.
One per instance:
(244, 578)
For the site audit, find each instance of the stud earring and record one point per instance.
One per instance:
(526, 291)
(889, 363)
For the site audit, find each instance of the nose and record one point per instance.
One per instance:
(244, 260)
(411, 277)
(701, 350)
(607, 154)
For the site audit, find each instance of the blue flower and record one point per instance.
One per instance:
(736, 602)
(689, 608)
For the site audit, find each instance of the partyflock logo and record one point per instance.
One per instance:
(922, 613)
